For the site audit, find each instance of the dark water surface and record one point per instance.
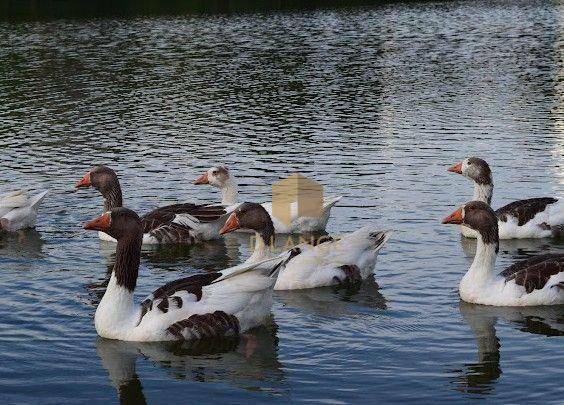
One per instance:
(375, 103)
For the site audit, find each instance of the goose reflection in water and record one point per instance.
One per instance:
(249, 361)
(519, 248)
(335, 301)
(205, 256)
(480, 377)
(24, 244)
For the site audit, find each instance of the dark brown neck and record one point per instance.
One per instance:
(267, 234)
(112, 196)
(128, 254)
(490, 235)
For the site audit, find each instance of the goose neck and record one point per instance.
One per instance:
(483, 192)
(229, 192)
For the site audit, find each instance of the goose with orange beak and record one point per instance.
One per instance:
(531, 218)
(222, 178)
(538, 280)
(207, 305)
(185, 223)
(348, 260)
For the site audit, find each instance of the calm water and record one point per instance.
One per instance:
(375, 103)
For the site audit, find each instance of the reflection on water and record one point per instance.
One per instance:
(516, 249)
(24, 244)
(237, 360)
(335, 301)
(372, 102)
(480, 377)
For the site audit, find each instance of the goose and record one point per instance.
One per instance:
(185, 223)
(199, 306)
(222, 178)
(330, 262)
(538, 280)
(18, 210)
(531, 218)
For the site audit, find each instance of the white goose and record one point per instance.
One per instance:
(220, 177)
(185, 223)
(538, 280)
(203, 305)
(331, 262)
(531, 218)
(18, 210)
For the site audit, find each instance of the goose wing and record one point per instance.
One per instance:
(185, 215)
(534, 273)
(524, 210)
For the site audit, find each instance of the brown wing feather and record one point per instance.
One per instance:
(534, 273)
(202, 326)
(173, 233)
(524, 210)
(192, 285)
(165, 215)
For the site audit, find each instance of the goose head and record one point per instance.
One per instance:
(217, 176)
(250, 216)
(118, 223)
(102, 178)
(479, 216)
(475, 169)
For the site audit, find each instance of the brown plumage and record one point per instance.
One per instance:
(205, 326)
(351, 274)
(534, 273)
(192, 284)
(479, 170)
(524, 210)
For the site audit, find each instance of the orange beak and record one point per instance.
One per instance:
(457, 168)
(454, 218)
(203, 179)
(84, 182)
(231, 225)
(102, 223)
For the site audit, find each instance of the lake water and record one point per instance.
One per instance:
(373, 102)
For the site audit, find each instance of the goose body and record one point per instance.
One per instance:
(536, 281)
(220, 177)
(185, 223)
(530, 218)
(203, 305)
(332, 262)
(18, 210)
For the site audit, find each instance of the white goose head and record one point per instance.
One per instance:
(479, 172)
(217, 176)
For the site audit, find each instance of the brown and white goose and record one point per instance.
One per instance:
(185, 223)
(222, 178)
(538, 280)
(350, 259)
(531, 218)
(203, 305)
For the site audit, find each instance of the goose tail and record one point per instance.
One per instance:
(36, 199)
(379, 238)
(329, 202)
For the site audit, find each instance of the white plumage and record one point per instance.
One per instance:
(222, 178)
(18, 210)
